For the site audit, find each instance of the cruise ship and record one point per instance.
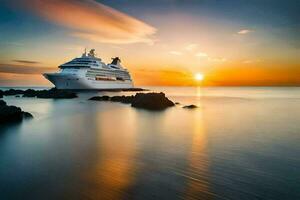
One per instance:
(89, 73)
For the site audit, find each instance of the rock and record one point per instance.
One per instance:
(46, 94)
(27, 115)
(190, 106)
(12, 92)
(50, 94)
(1, 94)
(102, 98)
(134, 90)
(30, 93)
(2, 103)
(122, 90)
(177, 103)
(151, 101)
(56, 94)
(122, 99)
(11, 113)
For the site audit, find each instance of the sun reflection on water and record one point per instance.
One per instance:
(113, 172)
(197, 172)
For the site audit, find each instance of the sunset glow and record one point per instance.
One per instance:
(146, 100)
(199, 77)
(160, 43)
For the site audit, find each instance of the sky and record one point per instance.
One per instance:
(161, 42)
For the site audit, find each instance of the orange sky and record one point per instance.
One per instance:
(160, 45)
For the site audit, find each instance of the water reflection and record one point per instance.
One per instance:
(115, 165)
(228, 148)
(197, 173)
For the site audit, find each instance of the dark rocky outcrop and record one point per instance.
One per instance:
(30, 93)
(50, 94)
(2, 103)
(190, 106)
(46, 94)
(12, 92)
(102, 98)
(150, 101)
(123, 99)
(123, 90)
(10, 114)
(1, 94)
(134, 90)
(56, 94)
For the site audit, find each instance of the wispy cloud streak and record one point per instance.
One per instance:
(177, 53)
(26, 61)
(244, 31)
(21, 69)
(91, 20)
(201, 54)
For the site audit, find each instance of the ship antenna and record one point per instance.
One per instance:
(84, 54)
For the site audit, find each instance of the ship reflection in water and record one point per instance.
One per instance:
(241, 143)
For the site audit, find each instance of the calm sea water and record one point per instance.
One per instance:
(241, 143)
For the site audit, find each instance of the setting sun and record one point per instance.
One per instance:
(199, 77)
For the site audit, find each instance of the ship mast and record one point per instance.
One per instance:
(84, 53)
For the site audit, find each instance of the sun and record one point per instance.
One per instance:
(199, 77)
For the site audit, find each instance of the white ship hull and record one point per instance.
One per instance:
(90, 73)
(74, 82)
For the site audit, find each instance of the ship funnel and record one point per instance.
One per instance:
(116, 61)
(92, 53)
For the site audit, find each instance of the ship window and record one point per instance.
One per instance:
(120, 79)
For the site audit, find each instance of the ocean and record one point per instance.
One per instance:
(241, 143)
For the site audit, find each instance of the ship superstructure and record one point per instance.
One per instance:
(89, 72)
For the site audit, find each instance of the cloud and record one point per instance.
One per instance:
(94, 21)
(244, 31)
(191, 47)
(21, 69)
(217, 59)
(11, 79)
(26, 61)
(201, 54)
(178, 53)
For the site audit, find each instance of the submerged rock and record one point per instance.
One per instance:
(150, 101)
(11, 113)
(192, 106)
